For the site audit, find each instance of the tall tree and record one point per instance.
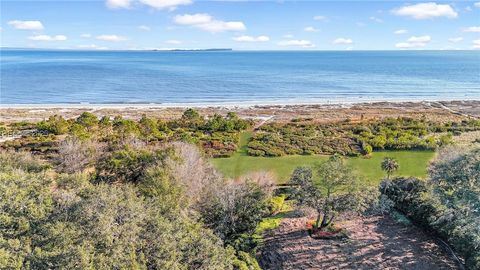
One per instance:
(333, 189)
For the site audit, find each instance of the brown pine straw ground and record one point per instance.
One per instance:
(376, 242)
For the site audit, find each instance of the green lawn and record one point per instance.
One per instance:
(412, 163)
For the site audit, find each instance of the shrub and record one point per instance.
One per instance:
(235, 210)
(55, 124)
(75, 155)
(88, 120)
(128, 164)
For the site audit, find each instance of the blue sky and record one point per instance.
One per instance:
(242, 25)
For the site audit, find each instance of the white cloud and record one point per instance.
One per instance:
(455, 39)
(221, 26)
(207, 23)
(400, 31)
(288, 36)
(118, 3)
(192, 19)
(173, 41)
(48, 38)
(343, 41)
(157, 4)
(477, 4)
(475, 29)
(113, 38)
(251, 39)
(375, 19)
(144, 28)
(162, 4)
(360, 24)
(85, 35)
(26, 25)
(320, 18)
(426, 11)
(296, 43)
(476, 44)
(310, 29)
(414, 42)
(420, 39)
(468, 9)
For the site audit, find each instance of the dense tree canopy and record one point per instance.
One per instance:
(68, 223)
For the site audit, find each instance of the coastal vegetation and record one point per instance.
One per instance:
(217, 135)
(447, 204)
(109, 192)
(412, 163)
(304, 137)
(332, 190)
(140, 208)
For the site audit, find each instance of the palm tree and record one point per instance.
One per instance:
(390, 165)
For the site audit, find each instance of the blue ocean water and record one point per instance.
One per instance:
(49, 77)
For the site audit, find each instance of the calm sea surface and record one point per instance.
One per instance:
(48, 77)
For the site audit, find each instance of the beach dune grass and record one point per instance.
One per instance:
(412, 163)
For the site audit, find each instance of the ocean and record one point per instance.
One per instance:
(236, 77)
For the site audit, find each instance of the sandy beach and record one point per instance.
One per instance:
(433, 110)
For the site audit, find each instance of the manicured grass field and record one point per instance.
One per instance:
(412, 163)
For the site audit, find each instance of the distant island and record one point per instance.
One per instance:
(198, 50)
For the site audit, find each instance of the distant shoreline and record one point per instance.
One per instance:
(239, 104)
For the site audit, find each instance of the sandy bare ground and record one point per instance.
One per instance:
(439, 111)
(375, 243)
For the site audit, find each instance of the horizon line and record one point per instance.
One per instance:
(224, 50)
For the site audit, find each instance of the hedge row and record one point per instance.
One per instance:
(413, 198)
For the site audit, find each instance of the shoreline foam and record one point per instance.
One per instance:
(239, 104)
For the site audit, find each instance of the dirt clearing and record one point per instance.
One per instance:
(375, 243)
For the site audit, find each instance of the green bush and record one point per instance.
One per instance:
(55, 124)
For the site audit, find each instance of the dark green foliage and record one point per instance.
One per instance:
(346, 138)
(128, 165)
(41, 144)
(88, 120)
(191, 114)
(447, 205)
